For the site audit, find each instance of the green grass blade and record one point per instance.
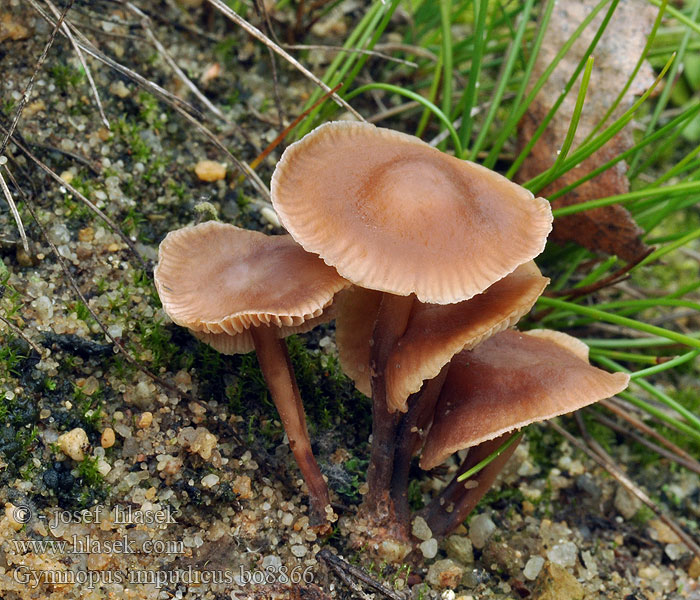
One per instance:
(630, 79)
(470, 93)
(619, 320)
(513, 53)
(446, 28)
(418, 98)
(586, 150)
(679, 360)
(679, 188)
(567, 88)
(662, 133)
(576, 116)
(666, 92)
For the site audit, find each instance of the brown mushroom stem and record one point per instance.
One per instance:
(409, 438)
(277, 369)
(452, 506)
(391, 323)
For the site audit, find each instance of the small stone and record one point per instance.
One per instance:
(429, 548)
(649, 572)
(675, 551)
(459, 548)
(103, 466)
(209, 170)
(626, 504)
(393, 551)
(299, 551)
(199, 441)
(480, 529)
(445, 574)
(563, 554)
(502, 557)
(556, 583)
(241, 487)
(97, 562)
(87, 234)
(210, 480)
(119, 89)
(107, 439)
(694, 568)
(73, 443)
(533, 567)
(659, 531)
(90, 386)
(145, 420)
(11, 514)
(420, 529)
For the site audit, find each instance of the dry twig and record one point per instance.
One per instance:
(688, 462)
(81, 58)
(78, 195)
(596, 453)
(260, 36)
(338, 565)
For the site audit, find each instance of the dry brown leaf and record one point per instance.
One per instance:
(609, 229)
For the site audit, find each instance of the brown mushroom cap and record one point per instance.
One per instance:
(435, 333)
(509, 381)
(393, 214)
(218, 279)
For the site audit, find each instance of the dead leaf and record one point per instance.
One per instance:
(609, 229)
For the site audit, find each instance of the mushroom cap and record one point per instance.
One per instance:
(509, 381)
(435, 333)
(219, 279)
(242, 343)
(393, 214)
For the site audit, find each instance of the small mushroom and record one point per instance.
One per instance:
(505, 383)
(434, 332)
(240, 290)
(393, 214)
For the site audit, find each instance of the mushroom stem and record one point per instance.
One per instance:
(409, 439)
(452, 506)
(391, 323)
(278, 372)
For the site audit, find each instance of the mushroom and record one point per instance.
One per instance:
(393, 214)
(434, 332)
(507, 382)
(240, 290)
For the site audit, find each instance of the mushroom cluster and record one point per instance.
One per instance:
(437, 254)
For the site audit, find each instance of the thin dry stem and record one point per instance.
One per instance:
(81, 58)
(14, 211)
(596, 453)
(74, 284)
(643, 427)
(77, 194)
(260, 36)
(146, 26)
(30, 83)
(691, 465)
(21, 334)
(388, 57)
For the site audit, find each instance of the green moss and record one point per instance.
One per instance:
(65, 76)
(356, 469)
